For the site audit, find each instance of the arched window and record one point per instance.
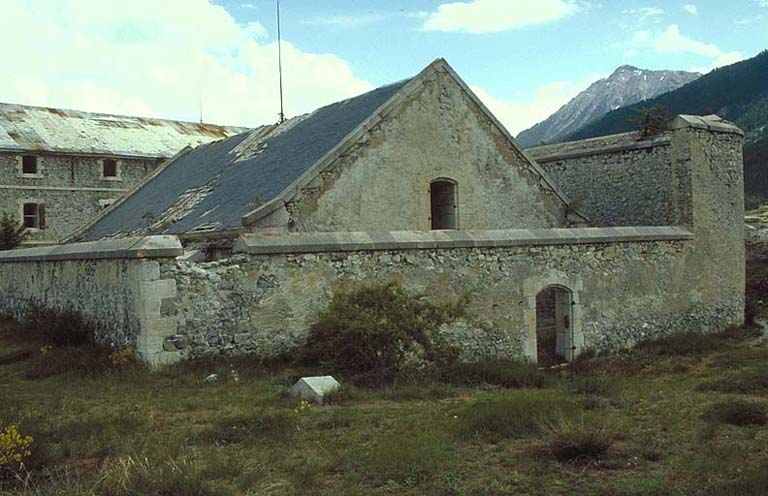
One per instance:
(444, 203)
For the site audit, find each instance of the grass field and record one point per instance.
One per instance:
(683, 416)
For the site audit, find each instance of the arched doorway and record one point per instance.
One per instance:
(444, 205)
(554, 326)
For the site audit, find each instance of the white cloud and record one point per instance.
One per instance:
(141, 57)
(256, 30)
(518, 115)
(749, 20)
(645, 13)
(720, 61)
(672, 40)
(691, 9)
(491, 16)
(345, 20)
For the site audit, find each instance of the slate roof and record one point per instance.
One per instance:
(26, 128)
(212, 186)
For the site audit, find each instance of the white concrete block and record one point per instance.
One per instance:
(314, 388)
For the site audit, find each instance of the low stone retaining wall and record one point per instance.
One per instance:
(627, 284)
(115, 284)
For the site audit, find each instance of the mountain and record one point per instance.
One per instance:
(738, 92)
(627, 85)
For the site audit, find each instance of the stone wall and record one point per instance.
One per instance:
(619, 181)
(70, 186)
(113, 284)
(263, 298)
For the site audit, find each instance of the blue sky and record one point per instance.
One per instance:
(524, 58)
(385, 40)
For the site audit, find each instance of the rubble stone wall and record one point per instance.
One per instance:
(625, 288)
(114, 284)
(620, 182)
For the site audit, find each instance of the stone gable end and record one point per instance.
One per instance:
(382, 182)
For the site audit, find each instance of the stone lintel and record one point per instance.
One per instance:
(118, 248)
(259, 244)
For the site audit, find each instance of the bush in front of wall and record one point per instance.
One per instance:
(371, 332)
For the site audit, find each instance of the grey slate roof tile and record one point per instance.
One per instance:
(234, 180)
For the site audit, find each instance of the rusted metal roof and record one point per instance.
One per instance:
(26, 128)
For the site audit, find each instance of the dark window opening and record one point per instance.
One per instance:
(109, 167)
(554, 336)
(34, 215)
(29, 164)
(444, 204)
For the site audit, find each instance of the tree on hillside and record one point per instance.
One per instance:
(11, 233)
(651, 122)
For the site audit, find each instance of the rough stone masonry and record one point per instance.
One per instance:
(666, 252)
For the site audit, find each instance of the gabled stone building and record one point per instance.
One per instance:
(236, 245)
(59, 168)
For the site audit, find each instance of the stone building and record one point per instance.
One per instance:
(59, 168)
(236, 245)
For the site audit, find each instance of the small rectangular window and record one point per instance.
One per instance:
(34, 215)
(109, 167)
(29, 164)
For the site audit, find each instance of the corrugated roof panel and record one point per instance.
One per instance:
(71, 131)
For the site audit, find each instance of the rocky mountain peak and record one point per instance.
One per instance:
(625, 86)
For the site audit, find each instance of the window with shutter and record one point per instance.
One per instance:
(34, 215)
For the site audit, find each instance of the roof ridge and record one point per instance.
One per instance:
(54, 110)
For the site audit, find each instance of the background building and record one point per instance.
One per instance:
(58, 168)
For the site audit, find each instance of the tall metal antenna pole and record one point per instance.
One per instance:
(280, 63)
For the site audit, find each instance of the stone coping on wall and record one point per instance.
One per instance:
(712, 122)
(629, 141)
(318, 242)
(595, 146)
(136, 247)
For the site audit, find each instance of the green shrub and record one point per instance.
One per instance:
(651, 122)
(592, 386)
(11, 233)
(515, 415)
(406, 458)
(86, 360)
(60, 327)
(370, 332)
(506, 373)
(738, 412)
(690, 343)
(15, 356)
(577, 440)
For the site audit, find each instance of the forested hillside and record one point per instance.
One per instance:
(738, 92)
